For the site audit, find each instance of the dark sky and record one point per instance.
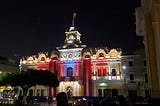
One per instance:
(31, 26)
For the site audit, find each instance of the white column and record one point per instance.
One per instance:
(94, 67)
(87, 85)
(109, 68)
(94, 90)
(63, 87)
(78, 90)
(46, 92)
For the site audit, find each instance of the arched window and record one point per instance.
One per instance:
(87, 56)
(101, 55)
(54, 58)
(69, 72)
(42, 58)
(113, 72)
(69, 91)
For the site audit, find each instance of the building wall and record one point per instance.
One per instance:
(135, 75)
(129, 78)
(150, 20)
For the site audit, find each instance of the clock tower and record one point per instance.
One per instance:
(72, 47)
(70, 60)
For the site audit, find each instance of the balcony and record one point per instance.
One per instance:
(106, 77)
(73, 78)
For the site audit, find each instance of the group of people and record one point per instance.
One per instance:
(62, 100)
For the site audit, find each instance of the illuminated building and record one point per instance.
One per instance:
(84, 71)
(148, 25)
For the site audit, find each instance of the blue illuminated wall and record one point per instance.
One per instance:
(67, 65)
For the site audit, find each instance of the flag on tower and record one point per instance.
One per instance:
(74, 16)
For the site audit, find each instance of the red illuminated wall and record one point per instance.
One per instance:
(101, 67)
(84, 77)
(76, 69)
(87, 69)
(89, 77)
(53, 67)
(42, 65)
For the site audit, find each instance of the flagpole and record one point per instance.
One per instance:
(73, 18)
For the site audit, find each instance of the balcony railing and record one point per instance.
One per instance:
(106, 77)
(73, 78)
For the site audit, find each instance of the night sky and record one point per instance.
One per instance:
(31, 26)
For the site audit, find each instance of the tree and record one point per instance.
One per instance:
(29, 78)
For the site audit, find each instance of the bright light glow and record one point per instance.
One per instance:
(124, 67)
(75, 82)
(61, 83)
(118, 77)
(70, 41)
(102, 84)
(24, 62)
(71, 50)
(94, 77)
(30, 62)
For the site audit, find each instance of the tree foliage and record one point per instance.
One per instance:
(29, 78)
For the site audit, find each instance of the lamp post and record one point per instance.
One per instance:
(124, 71)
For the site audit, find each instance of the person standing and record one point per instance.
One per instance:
(62, 99)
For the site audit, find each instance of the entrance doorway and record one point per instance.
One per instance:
(69, 91)
(109, 93)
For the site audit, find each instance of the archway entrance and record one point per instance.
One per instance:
(69, 91)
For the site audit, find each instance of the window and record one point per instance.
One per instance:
(70, 72)
(130, 63)
(131, 76)
(42, 58)
(101, 55)
(113, 72)
(144, 63)
(146, 77)
(54, 58)
(87, 56)
(99, 72)
(107, 93)
(99, 92)
(104, 72)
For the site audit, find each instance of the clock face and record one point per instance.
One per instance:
(70, 55)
